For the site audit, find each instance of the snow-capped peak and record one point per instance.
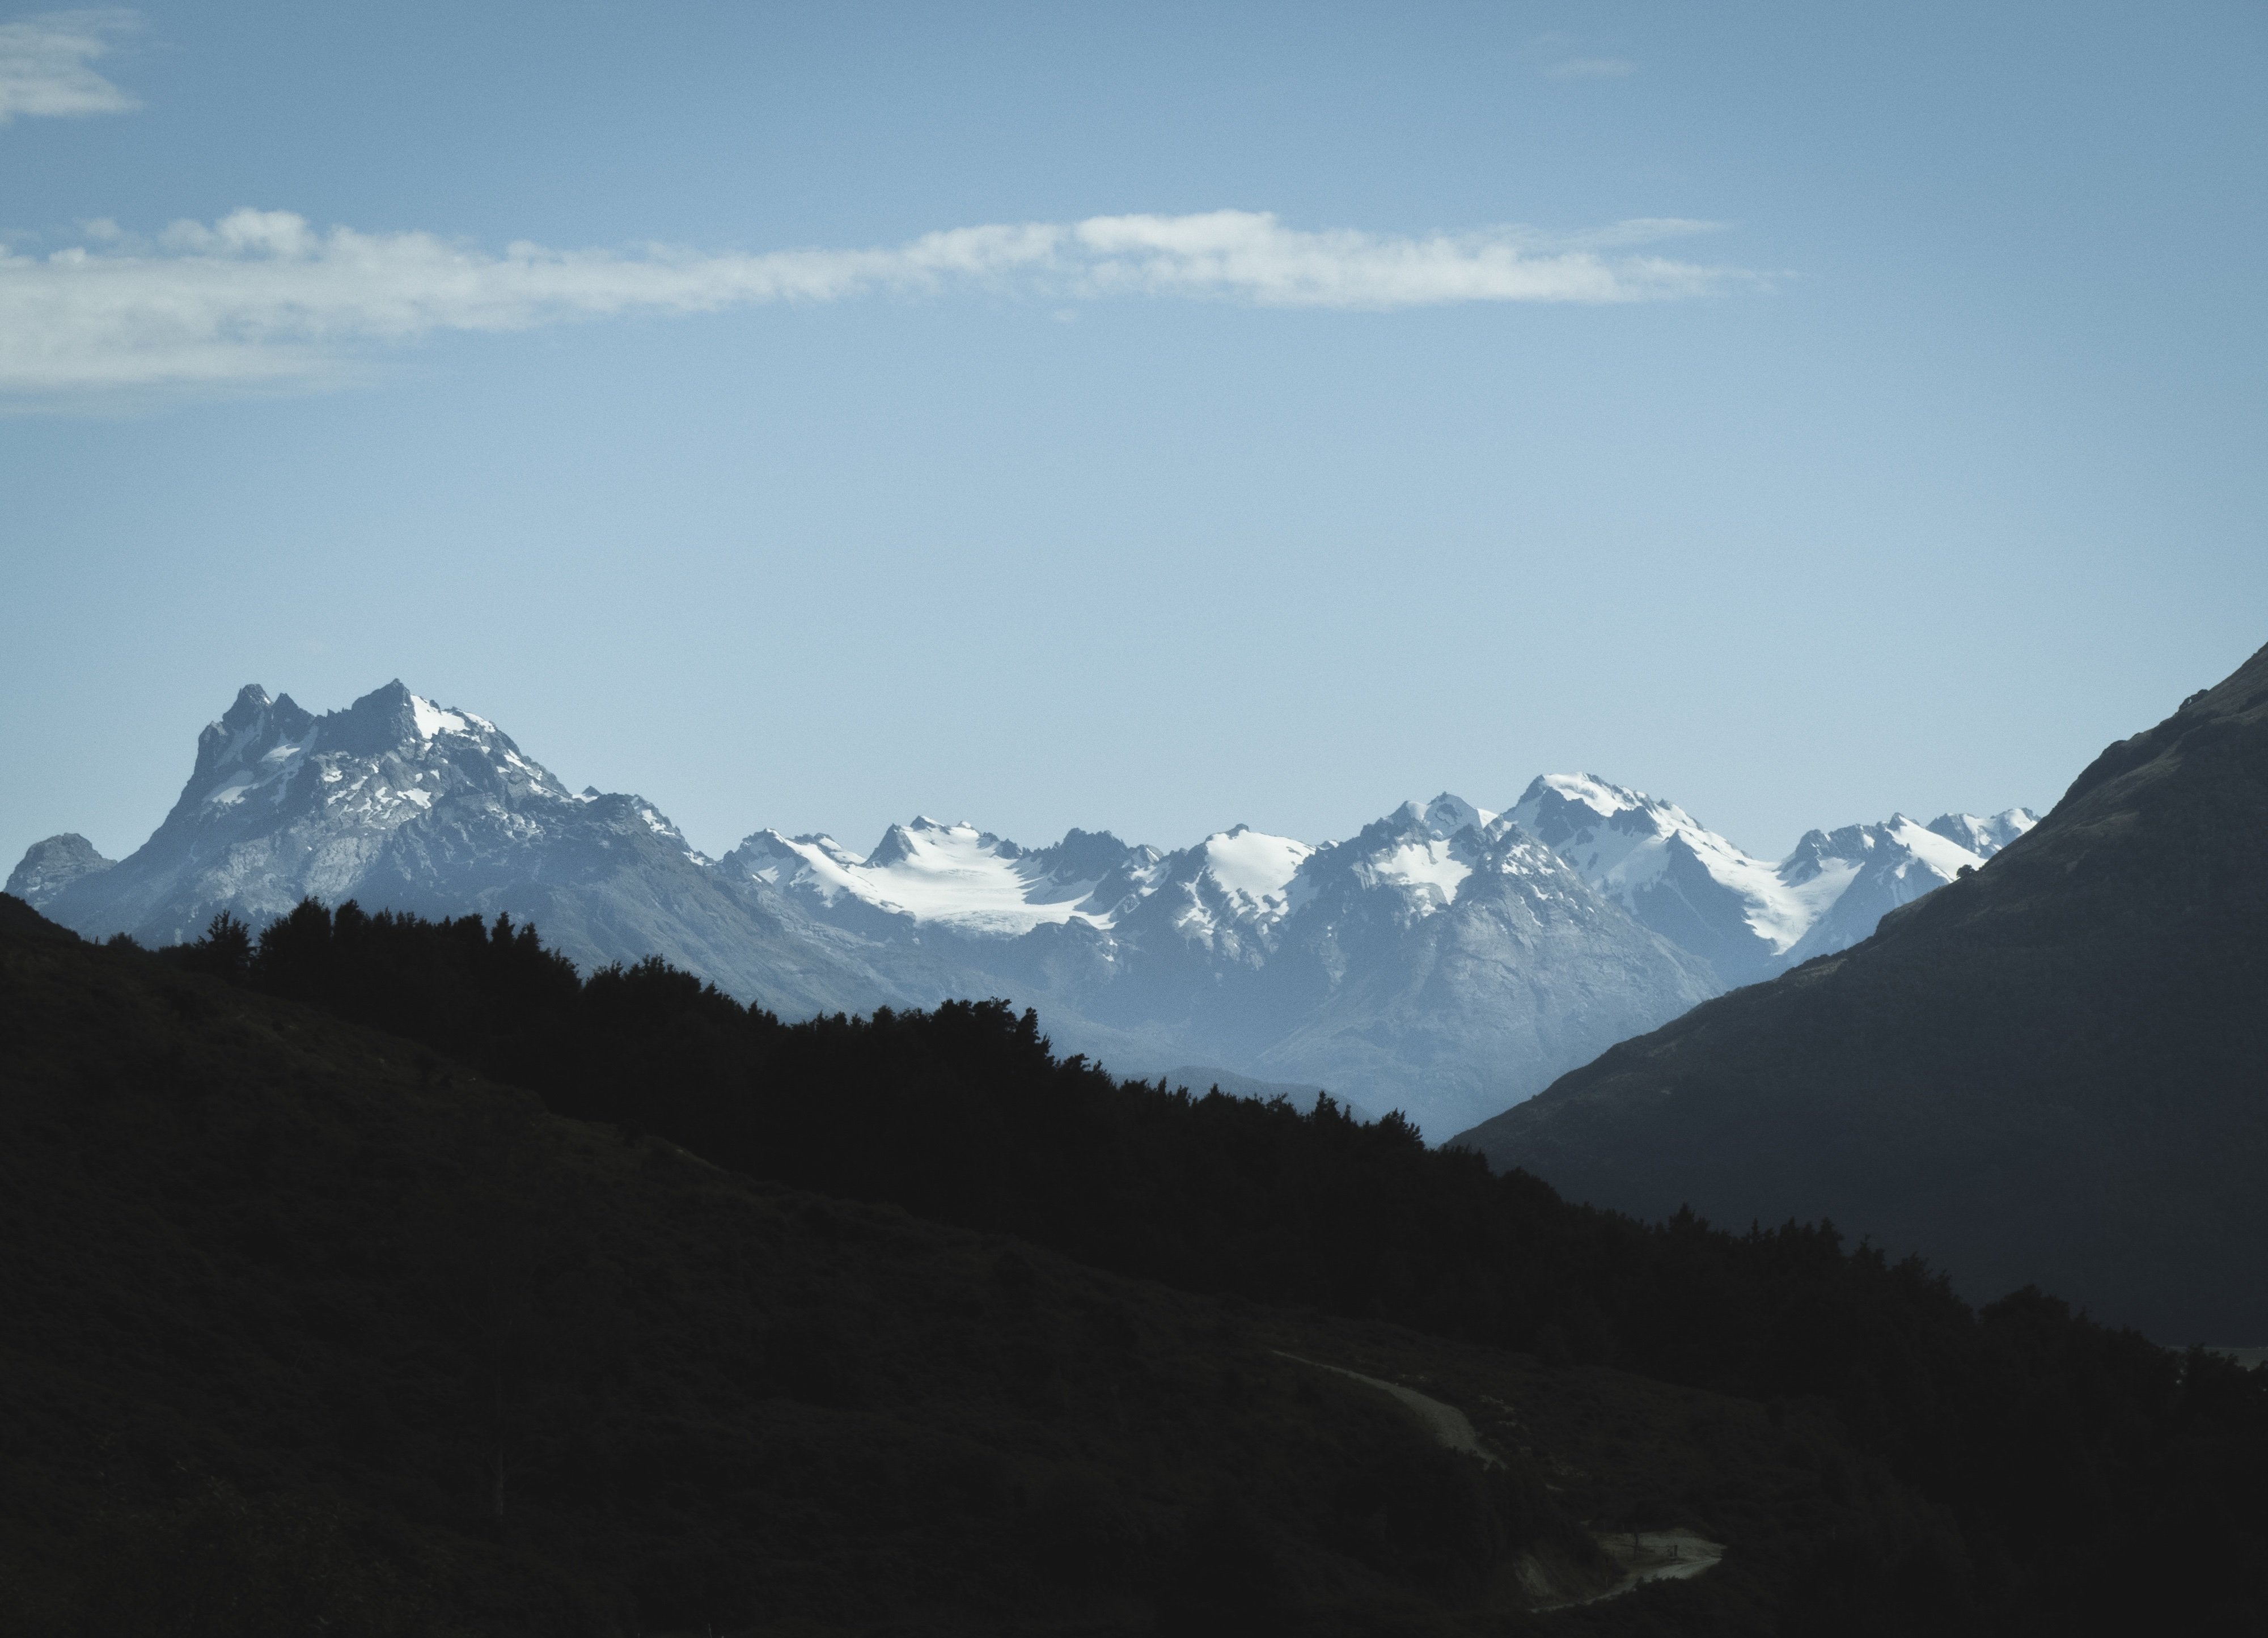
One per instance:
(953, 875)
(1230, 892)
(1855, 876)
(1442, 818)
(1935, 850)
(1628, 844)
(1584, 791)
(1894, 841)
(1426, 870)
(1422, 852)
(1252, 867)
(388, 757)
(1986, 836)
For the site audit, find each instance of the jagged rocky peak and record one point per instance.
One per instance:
(1987, 835)
(925, 837)
(1442, 818)
(391, 718)
(1854, 876)
(1421, 853)
(1898, 838)
(1091, 855)
(1815, 849)
(766, 855)
(1747, 916)
(389, 747)
(1565, 810)
(51, 866)
(1626, 841)
(1254, 869)
(254, 727)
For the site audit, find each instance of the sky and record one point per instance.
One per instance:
(1149, 418)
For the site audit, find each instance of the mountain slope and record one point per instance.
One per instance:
(1685, 882)
(51, 866)
(1473, 958)
(1749, 918)
(1438, 962)
(1442, 962)
(1874, 869)
(2049, 1071)
(311, 1332)
(405, 804)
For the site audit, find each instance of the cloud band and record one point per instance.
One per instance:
(263, 296)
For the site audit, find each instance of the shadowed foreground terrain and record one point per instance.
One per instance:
(313, 1327)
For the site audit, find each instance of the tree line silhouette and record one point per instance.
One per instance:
(2087, 1470)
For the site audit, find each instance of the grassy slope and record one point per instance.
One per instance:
(2048, 1073)
(303, 1321)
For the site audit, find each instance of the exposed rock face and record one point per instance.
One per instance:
(52, 865)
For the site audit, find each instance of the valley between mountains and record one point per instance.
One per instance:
(1447, 960)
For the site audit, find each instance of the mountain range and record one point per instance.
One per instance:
(2048, 1073)
(1447, 960)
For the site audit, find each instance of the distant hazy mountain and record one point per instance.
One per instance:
(1873, 869)
(400, 804)
(1447, 960)
(2050, 1072)
(1748, 918)
(1440, 962)
(52, 865)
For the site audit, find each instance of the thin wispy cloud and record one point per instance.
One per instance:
(44, 64)
(264, 297)
(1592, 68)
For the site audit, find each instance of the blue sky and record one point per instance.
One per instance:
(1800, 413)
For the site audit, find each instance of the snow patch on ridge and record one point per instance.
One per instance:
(1986, 836)
(1233, 890)
(1946, 857)
(954, 875)
(1252, 867)
(1417, 866)
(274, 765)
(431, 720)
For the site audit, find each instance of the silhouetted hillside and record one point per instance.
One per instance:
(308, 1331)
(2049, 1072)
(2059, 1470)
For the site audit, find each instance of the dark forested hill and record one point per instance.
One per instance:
(902, 1325)
(307, 1331)
(2053, 1071)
